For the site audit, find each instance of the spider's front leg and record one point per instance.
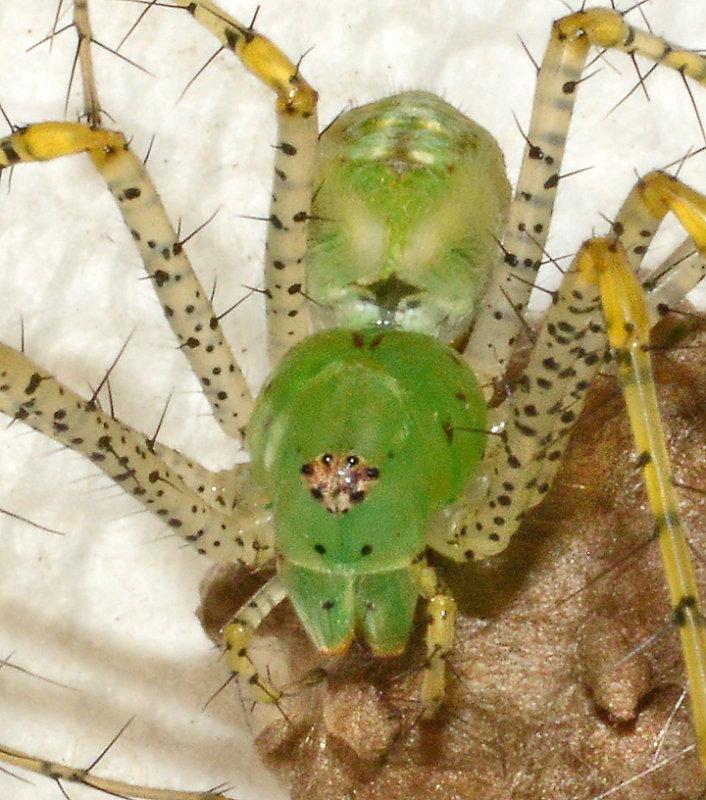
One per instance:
(128, 457)
(222, 516)
(184, 300)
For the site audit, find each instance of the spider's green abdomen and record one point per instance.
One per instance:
(410, 197)
(359, 437)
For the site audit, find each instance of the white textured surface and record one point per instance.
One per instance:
(108, 608)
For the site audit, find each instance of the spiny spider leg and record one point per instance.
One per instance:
(84, 777)
(185, 303)
(35, 397)
(297, 135)
(563, 362)
(148, 470)
(604, 262)
(530, 213)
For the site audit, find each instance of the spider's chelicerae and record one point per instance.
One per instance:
(49, 633)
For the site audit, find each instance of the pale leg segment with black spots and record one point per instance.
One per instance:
(295, 152)
(558, 82)
(186, 304)
(31, 395)
(238, 633)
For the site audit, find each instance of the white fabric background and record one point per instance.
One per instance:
(108, 607)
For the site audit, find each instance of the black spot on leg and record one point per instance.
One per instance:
(161, 277)
(550, 364)
(33, 383)
(552, 181)
(643, 459)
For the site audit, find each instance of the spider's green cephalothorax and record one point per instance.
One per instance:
(358, 437)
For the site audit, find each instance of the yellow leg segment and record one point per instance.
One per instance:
(47, 140)
(259, 55)
(607, 28)
(439, 636)
(604, 262)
